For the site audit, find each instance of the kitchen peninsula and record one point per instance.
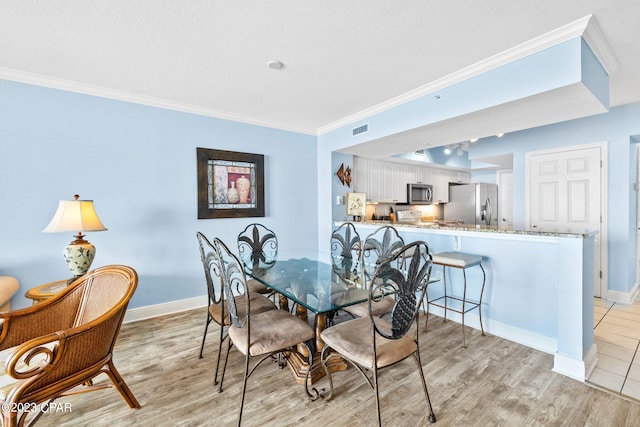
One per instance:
(539, 289)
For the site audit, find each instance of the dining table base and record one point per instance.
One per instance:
(299, 363)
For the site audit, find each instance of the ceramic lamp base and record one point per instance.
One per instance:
(79, 255)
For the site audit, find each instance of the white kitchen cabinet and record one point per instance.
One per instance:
(387, 182)
(441, 183)
(384, 182)
(367, 178)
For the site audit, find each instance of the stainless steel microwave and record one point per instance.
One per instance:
(419, 194)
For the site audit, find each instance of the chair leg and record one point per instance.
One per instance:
(224, 367)
(9, 418)
(432, 416)
(484, 278)
(375, 386)
(215, 378)
(464, 299)
(444, 279)
(121, 386)
(204, 336)
(244, 387)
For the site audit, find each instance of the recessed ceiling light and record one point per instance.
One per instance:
(472, 140)
(500, 135)
(275, 65)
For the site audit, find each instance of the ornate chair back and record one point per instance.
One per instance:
(383, 243)
(211, 263)
(406, 272)
(257, 247)
(235, 285)
(346, 253)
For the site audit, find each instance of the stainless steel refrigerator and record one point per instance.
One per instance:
(473, 204)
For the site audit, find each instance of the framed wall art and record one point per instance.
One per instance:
(356, 204)
(230, 184)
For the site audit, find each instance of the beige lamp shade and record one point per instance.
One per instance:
(76, 216)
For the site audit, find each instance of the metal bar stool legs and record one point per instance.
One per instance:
(462, 261)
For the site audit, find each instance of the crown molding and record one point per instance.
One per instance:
(120, 95)
(545, 41)
(586, 27)
(599, 45)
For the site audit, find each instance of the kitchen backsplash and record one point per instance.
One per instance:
(382, 210)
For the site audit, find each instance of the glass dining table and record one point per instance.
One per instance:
(308, 280)
(311, 283)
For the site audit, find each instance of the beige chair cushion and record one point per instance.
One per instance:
(378, 308)
(271, 331)
(257, 287)
(353, 340)
(8, 286)
(456, 259)
(259, 304)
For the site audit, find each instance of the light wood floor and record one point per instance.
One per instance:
(492, 382)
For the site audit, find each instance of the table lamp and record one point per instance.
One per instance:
(76, 215)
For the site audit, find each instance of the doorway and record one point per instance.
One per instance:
(505, 198)
(566, 189)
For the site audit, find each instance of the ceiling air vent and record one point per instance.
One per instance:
(359, 130)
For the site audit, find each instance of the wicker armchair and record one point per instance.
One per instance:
(58, 346)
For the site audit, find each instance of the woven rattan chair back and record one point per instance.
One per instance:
(65, 341)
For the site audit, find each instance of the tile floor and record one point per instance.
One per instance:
(617, 336)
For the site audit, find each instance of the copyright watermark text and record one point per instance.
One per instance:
(36, 407)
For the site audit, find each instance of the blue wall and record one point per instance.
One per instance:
(617, 128)
(138, 164)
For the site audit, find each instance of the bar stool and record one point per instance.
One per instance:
(462, 261)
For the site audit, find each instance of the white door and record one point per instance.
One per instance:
(638, 222)
(505, 198)
(565, 195)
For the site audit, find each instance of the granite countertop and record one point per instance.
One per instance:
(441, 225)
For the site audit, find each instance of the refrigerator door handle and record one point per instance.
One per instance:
(489, 213)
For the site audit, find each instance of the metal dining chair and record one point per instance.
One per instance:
(216, 310)
(380, 245)
(372, 343)
(257, 248)
(257, 335)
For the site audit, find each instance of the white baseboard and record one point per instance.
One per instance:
(624, 297)
(574, 368)
(171, 307)
(502, 330)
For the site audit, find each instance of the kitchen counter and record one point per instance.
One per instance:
(539, 289)
(448, 227)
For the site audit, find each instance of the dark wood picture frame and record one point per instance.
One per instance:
(230, 184)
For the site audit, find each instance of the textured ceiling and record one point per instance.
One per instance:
(341, 57)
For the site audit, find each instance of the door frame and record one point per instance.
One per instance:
(604, 197)
(499, 179)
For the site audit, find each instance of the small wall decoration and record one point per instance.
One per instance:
(340, 174)
(230, 184)
(344, 175)
(356, 204)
